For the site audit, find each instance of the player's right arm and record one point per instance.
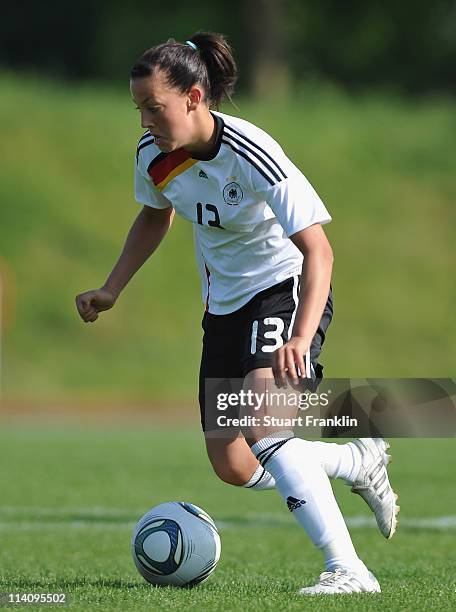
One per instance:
(146, 233)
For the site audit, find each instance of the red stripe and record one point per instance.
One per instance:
(161, 170)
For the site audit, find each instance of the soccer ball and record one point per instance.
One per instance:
(176, 544)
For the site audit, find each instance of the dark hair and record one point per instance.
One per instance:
(211, 65)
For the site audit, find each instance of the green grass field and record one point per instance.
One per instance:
(385, 168)
(71, 495)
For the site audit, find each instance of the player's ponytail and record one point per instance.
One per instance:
(220, 65)
(206, 58)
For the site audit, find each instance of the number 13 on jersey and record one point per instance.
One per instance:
(212, 216)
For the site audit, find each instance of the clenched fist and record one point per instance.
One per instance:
(90, 303)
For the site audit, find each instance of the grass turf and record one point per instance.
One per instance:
(70, 497)
(385, 168)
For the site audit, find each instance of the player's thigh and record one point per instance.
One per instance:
(270, 325)
(271, 410)
(220, 367)
(271, 318)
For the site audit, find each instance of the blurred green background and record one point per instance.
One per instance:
(361, 97)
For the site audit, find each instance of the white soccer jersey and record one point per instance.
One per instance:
(244, 199)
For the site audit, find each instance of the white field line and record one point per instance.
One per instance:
(22, 518)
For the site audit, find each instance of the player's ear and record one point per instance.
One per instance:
(195, 95)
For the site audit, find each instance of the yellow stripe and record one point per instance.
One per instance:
(188, 163)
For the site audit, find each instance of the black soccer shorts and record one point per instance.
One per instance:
(236, 343)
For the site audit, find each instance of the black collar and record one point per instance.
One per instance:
(218, 141)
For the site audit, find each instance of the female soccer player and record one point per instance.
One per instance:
(265, 266)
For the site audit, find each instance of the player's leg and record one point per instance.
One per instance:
(302, 483)
(223, 352)
(226, 340)
(231, 459)
(221, 362)
(235, 464)
(361, 464)
(296, 464)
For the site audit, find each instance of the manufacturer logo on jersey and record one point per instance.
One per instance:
(232, 194)
(294, 504)
(202, 174)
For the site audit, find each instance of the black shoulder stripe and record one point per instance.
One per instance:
(144, 136)
(263, 161)
(257, 147)
(245, 156)
(141, 146)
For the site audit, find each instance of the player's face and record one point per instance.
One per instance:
(165, 112)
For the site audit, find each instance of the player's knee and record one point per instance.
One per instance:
(229, 474)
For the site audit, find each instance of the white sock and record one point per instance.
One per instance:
(339, 460)
(260, 480)
(303, 484)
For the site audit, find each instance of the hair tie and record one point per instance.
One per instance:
(191, 44)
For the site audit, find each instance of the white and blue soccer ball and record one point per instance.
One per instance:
(176, 544)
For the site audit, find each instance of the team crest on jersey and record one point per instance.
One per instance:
(232, 194)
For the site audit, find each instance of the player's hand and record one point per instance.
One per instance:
(286, 360)
(90, 303)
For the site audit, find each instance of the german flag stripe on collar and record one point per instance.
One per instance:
(167, 166)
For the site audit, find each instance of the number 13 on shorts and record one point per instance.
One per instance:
(275, 334)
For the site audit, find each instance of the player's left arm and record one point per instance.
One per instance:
(313, 295)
